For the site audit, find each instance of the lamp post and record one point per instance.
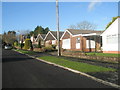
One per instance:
(57, 19)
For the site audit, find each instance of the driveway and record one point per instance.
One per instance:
(21, 71)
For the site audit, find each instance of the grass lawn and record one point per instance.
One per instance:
(103, 54)
(83, 67)
(25, 52)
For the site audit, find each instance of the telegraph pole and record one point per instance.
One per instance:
(58, 36)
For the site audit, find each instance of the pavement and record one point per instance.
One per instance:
(21, 71)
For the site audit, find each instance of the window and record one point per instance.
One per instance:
(53, 42)
(112, 39)
(90, 44)
(77, 40)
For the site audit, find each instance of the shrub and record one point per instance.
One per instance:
(15, 43)
(28, 44)
(35, 46)
(39, 44)
(48, 48)
(54, 46)
(22, 45)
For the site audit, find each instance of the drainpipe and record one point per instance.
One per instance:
(95, 43)
(89, 43)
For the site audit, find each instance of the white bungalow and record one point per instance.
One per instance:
(111, 38)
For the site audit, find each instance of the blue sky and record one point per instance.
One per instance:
(27, 15)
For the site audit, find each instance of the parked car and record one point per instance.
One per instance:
(8, 47)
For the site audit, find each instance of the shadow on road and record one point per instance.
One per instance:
(4, 60)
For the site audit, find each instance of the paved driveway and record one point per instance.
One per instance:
(21, 71)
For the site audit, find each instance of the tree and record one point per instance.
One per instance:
(84, 25)
(38, 30)
(31, 33)
(12, 32)
(9, 37)
(72, 27)
(28, 44)
(46, 30)
(113, 19)
(39, 44)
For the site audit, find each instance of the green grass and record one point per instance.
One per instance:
(83, 67)
(25, 52)
(103, 54)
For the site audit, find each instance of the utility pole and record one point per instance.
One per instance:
(58, 36)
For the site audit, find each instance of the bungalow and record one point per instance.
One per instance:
(41, 38)
(111, 38)
(51, 38)
(81, 40)
(32, 38)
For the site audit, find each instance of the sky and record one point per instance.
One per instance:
(27, 15)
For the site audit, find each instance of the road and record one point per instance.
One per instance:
(21, 71)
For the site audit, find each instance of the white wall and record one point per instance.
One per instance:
(53, 42)
(110, 37)
(78, 41)
(66, 44)
(92, 44)
(32, 38)
(77, 45)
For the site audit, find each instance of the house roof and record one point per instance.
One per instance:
(113, 28)
(42, 36)
(55, 33)
(77, 31)
(51, 35)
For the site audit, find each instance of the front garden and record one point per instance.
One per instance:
(83, 67)
(103, 57)
(98, 69)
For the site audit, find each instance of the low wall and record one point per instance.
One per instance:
(100, 58)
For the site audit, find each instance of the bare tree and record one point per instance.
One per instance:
(9, 37)
(24, 32)
(84, 25)
(72, 27)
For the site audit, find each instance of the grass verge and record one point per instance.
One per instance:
(103, 54)
(25, 52)
(83, 67)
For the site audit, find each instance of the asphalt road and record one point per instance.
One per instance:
(21, 71)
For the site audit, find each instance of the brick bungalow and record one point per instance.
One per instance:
(111, 38)
(81, 40)
(51, 38)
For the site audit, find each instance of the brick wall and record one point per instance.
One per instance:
(90, 57)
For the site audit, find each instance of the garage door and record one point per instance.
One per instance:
(66, 43)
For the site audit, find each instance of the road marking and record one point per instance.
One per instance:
(75, 71)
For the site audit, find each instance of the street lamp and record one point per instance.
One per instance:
(57, 19)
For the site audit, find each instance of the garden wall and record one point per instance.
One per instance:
(93, 57)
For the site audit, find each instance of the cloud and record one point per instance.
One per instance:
(92, 4)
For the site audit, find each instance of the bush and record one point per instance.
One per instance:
(39, 44)
(28, 44)
(15, 43)
(48, 48)
(54, 46)
(35, 46)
